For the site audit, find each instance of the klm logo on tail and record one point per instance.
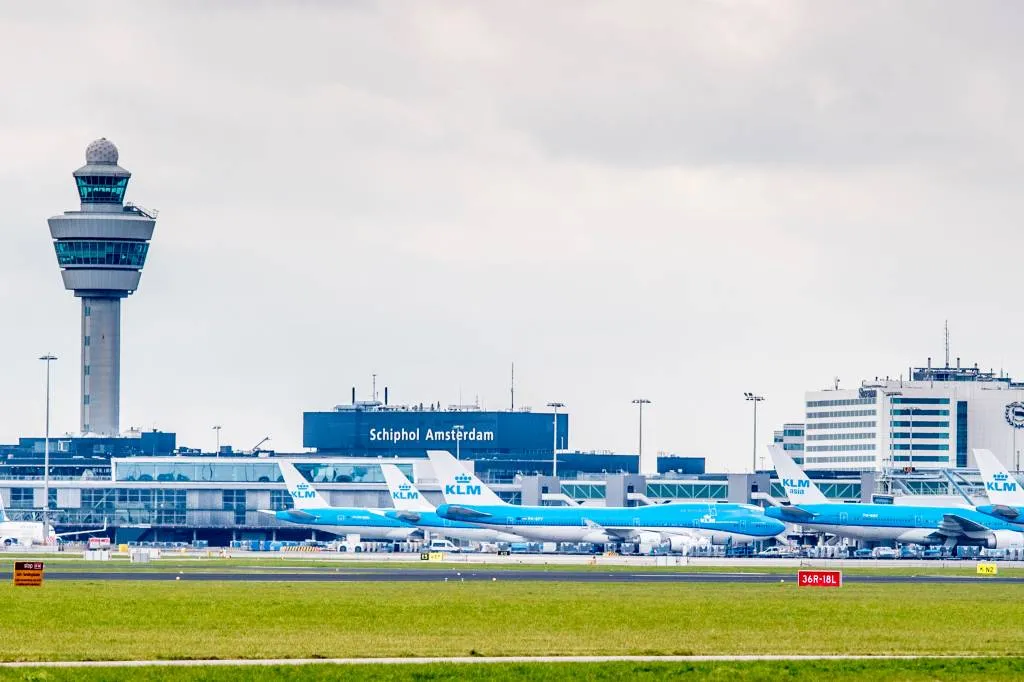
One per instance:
(794, 487)
(1001, 483)
(405, 492)
(462, 486)
(303, 491)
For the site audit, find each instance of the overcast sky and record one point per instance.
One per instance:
(676, 200)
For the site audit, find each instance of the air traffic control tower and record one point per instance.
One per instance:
(101, 250)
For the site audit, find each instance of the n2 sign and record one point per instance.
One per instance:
(819, 578)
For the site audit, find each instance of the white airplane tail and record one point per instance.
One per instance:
(799, 488)
(458, 485)
(404, 494)
(303, 494)
(1000, 485)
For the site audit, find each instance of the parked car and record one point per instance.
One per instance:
(884, 553)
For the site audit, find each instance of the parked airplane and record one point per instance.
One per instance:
(27, 533)
(313, 511)
(922, 525)
(681, 525)
(1005, 495)
(412, 507)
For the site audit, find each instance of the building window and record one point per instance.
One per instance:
(22, 498)
(961, 434)
(913, 412)
(919, 436)
(840, 448)
(85, 370)
(921, 401)
(843, 413)
(920, 446)
(85, 341)
(840, 403)
(95, 252)
(234, 500)
(842, 425)
(85, 399)
(920, 424)
(86, 311)
(281, 500)
(840, 436)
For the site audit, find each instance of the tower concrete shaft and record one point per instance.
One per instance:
(101, 250)
(101, 365)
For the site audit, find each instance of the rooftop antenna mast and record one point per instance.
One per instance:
(512, 390)
(373, 395)
(947, 344)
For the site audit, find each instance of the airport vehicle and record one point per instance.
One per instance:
(313, 511)
(680, 525)
(411, 507)
(942, 525)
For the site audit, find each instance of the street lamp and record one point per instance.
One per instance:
(48, 358)
(753, 457)
(457, 428)
(217, 429)
(554, 446)
(640, 445)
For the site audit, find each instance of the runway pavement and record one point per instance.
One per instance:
(400, 574)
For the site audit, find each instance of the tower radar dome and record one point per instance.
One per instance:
(101, 151)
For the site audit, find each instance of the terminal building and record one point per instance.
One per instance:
(931, 421)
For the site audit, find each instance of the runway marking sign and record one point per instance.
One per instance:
(432, 556)
(819, 578)
(28, 573)
(987, 568)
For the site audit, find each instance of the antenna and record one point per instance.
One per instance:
(373, 392)
(835, 380)
(512, 390)
(947, 344)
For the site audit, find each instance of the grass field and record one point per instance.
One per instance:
(969, 670)
(81, 620)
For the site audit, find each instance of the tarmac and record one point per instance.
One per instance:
(402, 574)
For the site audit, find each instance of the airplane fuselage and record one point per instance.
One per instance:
(718, 523)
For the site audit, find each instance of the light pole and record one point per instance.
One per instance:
(640, 402)
(217, 430)
(48, 358)
(753, 457)
(554, 446)
(457, 428)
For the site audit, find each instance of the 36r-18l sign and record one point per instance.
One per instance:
(819, 578)
(28, 573)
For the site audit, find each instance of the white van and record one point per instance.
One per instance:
(442, 545)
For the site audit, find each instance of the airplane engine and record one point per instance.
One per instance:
(597, 537)
(1001, 539)
(646, 537)
(681, 543)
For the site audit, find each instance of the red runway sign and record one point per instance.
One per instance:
(819, 578)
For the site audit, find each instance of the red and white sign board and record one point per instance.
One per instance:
(819, 578)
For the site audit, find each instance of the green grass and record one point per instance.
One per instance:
(987, 670)
(114, 620)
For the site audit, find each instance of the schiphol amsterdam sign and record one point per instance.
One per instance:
(430, 435)
(1015, 415)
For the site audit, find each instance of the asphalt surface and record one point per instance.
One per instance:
(399, 574)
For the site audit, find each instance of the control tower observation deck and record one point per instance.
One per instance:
(101, 250)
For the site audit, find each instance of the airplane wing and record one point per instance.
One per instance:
(795, 513)
(302, 515)
(83, 532)
(466, 512)
(954, 525)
